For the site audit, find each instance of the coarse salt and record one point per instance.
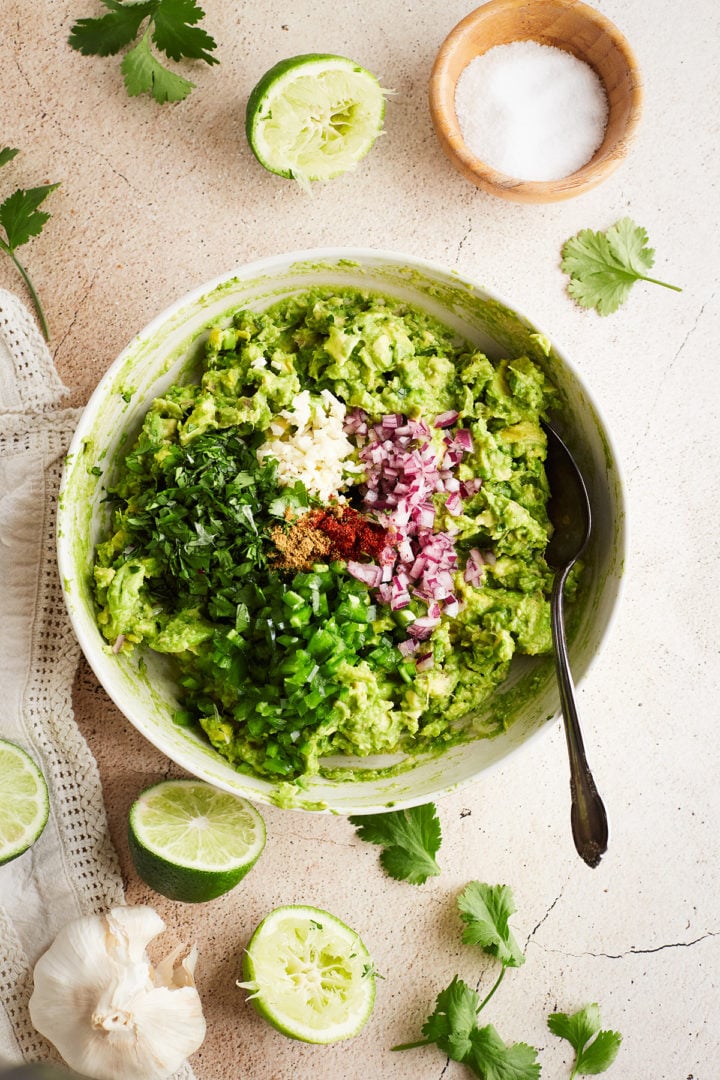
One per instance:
(531, 111)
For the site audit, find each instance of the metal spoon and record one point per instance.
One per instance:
(569, 511)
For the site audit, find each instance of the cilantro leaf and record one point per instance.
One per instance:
(490, 1058)
(7, 154)
(21, 220)
(486, 909)
(171, 25)
(603, 266)
(177, 34)
(143, 73)
(20, 217)
(595, 1049)
(107, 35)
(454, 1018)
(410, 838)
(453, 1027)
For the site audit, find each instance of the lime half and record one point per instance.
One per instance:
(24, 801)
(191, 842)
(314, 116)
(309, 975)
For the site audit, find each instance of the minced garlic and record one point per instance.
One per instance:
(309, 444)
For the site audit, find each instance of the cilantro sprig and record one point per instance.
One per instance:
(21, 219)
(169, 25)
(603, 266)
(410, 839)
(595, 1049)
(453, 1025)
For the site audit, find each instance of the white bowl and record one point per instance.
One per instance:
(141, 683)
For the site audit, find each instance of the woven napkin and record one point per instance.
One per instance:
(72, 870)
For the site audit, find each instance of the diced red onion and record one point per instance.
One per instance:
(422, 628)
(453, 503)
(369, 573)
(403, 471)
(468, 488)
(464, 440)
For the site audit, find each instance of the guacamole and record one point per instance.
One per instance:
(337, 532)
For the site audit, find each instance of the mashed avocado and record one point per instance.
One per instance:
(391, 634)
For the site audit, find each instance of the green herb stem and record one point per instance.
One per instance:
(654, 281)
(31, 288)
(413, 1045)
(497, 983)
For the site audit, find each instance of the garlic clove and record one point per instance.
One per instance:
(172, 971)
(111, 1015)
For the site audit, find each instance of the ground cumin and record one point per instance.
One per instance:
(300, 546)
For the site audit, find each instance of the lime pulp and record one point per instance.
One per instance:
(314, 116)
(24, 801)
(309, 975)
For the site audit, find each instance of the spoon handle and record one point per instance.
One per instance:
(588, 817)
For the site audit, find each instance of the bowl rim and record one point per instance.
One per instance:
(323, 255)
(441, 93)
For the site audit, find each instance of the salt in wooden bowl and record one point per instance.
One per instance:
(565, 24)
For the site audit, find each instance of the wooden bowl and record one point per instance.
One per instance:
(565, 24)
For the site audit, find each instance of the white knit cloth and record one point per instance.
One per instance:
(72, 870)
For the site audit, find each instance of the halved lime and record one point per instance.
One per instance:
(309, 975)
(191, 842)
(314, 116)
(24, 801)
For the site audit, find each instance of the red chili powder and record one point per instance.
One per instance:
(351, 534)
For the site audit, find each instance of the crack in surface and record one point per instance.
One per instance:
(464, 238)
(88, 148)
(80, 304)
(671, 363)
(537, 926)
(641, 952)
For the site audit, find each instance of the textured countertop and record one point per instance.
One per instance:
(157, 200)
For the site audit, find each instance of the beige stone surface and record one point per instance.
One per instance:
(155, 201)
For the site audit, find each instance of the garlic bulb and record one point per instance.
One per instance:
(111, 1015)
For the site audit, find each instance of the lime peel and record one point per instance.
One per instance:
(314, 116)
(309, 975)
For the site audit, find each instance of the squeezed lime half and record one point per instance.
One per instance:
(191, 842)
(309, 975)
(313, 117)
(24, 801)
